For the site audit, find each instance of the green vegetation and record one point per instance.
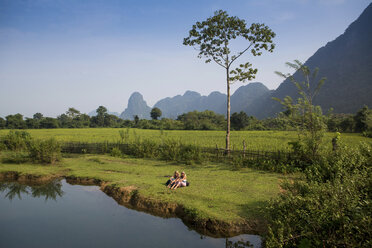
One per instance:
(255, 140)
(216, 191)
(205, 120)
(307, 118)
(331, 205)
(26, 148)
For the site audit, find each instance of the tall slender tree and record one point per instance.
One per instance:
(213, 37)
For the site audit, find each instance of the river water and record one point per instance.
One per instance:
(59, 214)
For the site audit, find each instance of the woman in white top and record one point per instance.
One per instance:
(181, 182)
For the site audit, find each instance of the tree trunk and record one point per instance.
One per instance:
(228, 113)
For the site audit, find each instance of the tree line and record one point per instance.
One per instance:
(195, 120)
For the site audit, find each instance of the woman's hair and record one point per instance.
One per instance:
(183, 174)
(176, 173)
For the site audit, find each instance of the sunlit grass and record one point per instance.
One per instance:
(255, 140)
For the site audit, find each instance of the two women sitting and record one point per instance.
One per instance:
(177, 180)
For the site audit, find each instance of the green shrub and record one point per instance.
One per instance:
(190, 154)
(16, 140)
(367, 134)
(45, 151)
(170, 150)
(330, 207)
(17, 157)
(145, 149)
(115, 152)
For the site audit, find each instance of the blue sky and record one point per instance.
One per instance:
(56, 54)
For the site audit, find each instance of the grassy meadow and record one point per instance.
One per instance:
(216, 191)
(255, 140)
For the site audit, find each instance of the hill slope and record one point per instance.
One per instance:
(347, 64)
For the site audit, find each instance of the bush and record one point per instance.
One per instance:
(190, 154)
(368, 134)
(16, 141)
(115, 152)
(170, 150)
(45, 151)
(329, 207)
(144, 149)
(17, 157)
(276, 165)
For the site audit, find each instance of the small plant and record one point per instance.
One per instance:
(124, 135)
(115, 152)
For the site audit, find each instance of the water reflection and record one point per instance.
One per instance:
(50, 190)
(238, 244)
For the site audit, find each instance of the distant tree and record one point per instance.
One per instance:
(2, 123)
(136, 120)
(347, 124)
(64, 121)
(49, 122)
(38, 116)
(100, 117)
(363, 119)
(206, 120)
(72, 113)
(126, 123)
(155, 113)
(111, 120)
(83, 120)
(32, 123)
(239, 120)
(101, 110)
(15, 121)
(212, 38)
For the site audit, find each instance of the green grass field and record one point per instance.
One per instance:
(216, 191)
(255, 140)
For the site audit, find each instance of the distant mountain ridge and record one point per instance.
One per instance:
(172, 107)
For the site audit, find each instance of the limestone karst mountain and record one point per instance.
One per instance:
(346, 62)
(136, 106)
